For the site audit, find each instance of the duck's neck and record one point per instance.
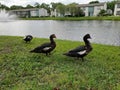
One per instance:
(87, 43)
(52, 40)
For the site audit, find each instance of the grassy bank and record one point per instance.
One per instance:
(115, 18)
(21, 70)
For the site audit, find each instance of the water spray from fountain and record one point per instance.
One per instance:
(6, 16)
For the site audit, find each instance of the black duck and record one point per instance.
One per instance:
(81, 51)
(46, 47)
(28, 38)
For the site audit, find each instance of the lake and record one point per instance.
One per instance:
(103, 32)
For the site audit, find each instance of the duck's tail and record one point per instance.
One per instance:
(31, 51)
(66, 54)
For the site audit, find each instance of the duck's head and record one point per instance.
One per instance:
(87, 36)
(53, 36)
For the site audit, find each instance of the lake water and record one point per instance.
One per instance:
(103, 32)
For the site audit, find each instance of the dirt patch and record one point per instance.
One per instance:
(5, 50)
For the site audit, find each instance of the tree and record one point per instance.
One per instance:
(13, 7)
(45, 6)
(92, 2)
(29, 6)
(111, 5)
(80, 13)
(4, 7)
(61, 9)
(37, 5)
(102, 13)
(54, 5)
(72, 8)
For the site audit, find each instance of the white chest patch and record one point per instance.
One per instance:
(24, 37)
(82, 52)
(46, 48)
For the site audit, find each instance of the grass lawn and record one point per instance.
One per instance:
(114, 18)
(21, 70)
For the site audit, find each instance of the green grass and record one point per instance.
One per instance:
(21, 70)
(115, 18)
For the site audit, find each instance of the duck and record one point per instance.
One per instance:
(46, 48)
(28, 38)
(81, 51)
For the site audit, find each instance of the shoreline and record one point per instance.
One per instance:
(63, 40)
(112, 18)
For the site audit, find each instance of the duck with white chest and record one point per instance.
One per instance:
(81, 51)
(28, 38)
(46, 47)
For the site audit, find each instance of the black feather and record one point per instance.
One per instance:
(41, 48)
(81, 51)
(28, 38)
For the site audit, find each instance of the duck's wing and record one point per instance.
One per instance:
(29, 36)
(43, 47)
(46, 46)
(79, 50)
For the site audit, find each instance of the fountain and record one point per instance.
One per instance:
(6, 16)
